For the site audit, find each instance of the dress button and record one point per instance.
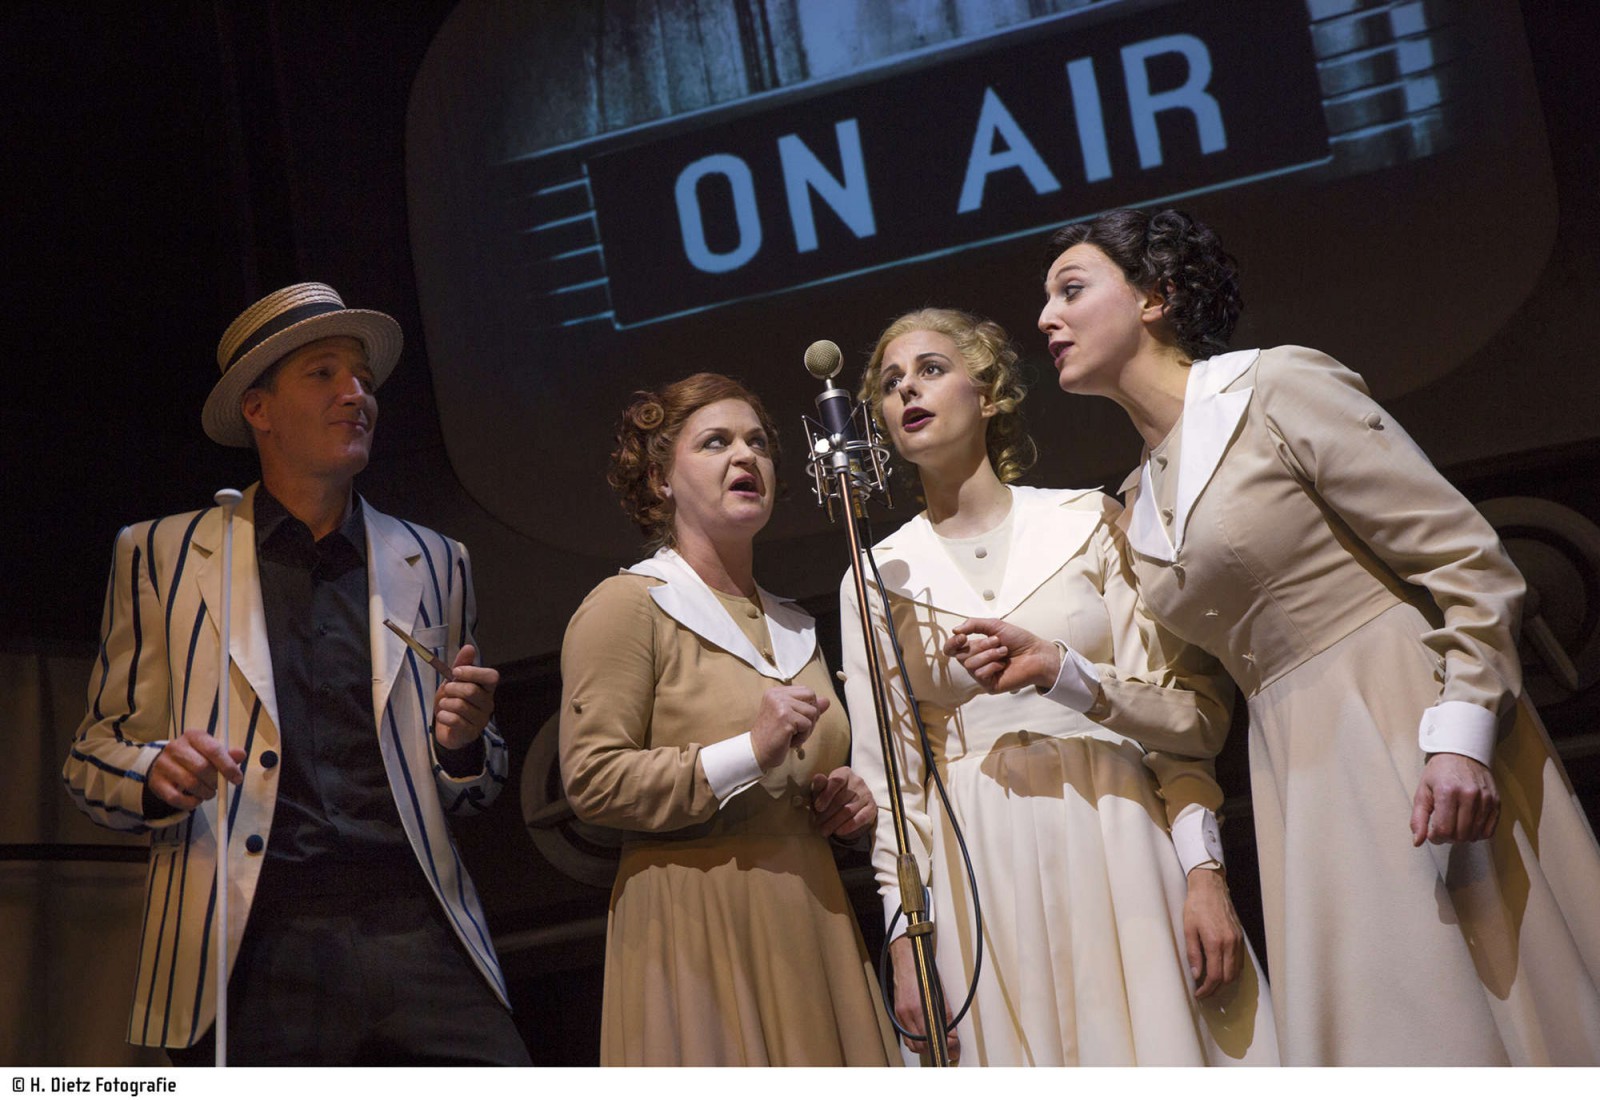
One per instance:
(980, 552)
(269, 759)
(988, 593)
(253, 844)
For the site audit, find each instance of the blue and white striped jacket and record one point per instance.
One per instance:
(157, 676)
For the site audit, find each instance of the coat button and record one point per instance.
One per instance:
(269, 759)
(253, 844)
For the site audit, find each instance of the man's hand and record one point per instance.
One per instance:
(841, 804)
(464, 703)
(185, 773)
(1003, 657)
(1456, 800)
(1211, 932)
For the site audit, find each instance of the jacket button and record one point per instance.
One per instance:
(253, 844)
(269, 759)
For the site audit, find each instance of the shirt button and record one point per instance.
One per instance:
(1166, 515)
(269, 759)
(980, 552)
(326, 689)
(1161, 460)
(988, 593)
(752, 613)
(253, 844)
(1374, 422)
(1177, 572)
(766, 655)
(322, 629)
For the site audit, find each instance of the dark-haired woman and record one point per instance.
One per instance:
(1108, 935)
(697, 715)
(1285, 522)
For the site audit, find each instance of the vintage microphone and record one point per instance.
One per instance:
(229, 500)
(848, 463)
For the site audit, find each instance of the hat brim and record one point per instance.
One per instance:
(222, 417)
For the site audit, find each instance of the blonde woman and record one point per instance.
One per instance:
(1108, 934)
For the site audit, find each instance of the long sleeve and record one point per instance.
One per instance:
(1171, 697)
(1366, 469)
(867, 752)
(613, 775)
(130, 695)
(464, 795)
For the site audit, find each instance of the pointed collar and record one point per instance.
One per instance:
(1211, 416)
(690, 602)
(1048, 528)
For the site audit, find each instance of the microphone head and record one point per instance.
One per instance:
(823, 359)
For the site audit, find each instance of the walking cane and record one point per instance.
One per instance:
(228, 499)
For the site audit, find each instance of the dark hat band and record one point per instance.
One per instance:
(286, 319)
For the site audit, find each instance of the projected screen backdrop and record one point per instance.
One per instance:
(607, 196)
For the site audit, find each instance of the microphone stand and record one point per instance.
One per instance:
(228, 499)
(848, 463)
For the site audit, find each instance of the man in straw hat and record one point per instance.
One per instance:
(354, 933)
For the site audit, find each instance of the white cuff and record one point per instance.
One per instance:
(1077, 684)
(1196, 837)
(730, 766)
(1461, 727)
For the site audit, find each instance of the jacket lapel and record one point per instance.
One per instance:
(1211, 418)
(395, 587)
(248, 644)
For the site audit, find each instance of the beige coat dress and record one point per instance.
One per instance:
(1066, 815)
(730, 939)
(1356, 598)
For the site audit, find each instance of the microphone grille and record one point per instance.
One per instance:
(823, 359)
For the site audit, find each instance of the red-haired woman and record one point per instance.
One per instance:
(697, 714)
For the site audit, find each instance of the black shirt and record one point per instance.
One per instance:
(334, 802)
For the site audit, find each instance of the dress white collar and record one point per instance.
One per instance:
(690, 602)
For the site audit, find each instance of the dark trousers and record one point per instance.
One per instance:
(357, 979)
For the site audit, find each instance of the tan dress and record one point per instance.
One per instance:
(730, 938)
(1348, 588)
(1066, 815)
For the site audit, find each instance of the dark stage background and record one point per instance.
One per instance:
(165, 164)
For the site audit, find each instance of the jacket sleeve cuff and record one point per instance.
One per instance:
(730, 767)
(1197, 838)
(1459, 727)
(1077, 684)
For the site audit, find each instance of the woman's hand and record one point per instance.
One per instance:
(908, 1002)
(841, 804)
(1456, 800)
(783, 721)
(1212, 931)
(1003, 657)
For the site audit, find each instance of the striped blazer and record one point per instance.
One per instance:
(157, 676)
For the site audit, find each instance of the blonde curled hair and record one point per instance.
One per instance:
(646, 434)
(991, 363)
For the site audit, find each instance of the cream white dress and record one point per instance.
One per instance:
(1355, 595)
(1066, 814)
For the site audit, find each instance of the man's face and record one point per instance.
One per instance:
(317, 418)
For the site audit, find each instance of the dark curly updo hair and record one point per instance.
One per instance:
(991, 361)
(1177, 256)
(646, 434)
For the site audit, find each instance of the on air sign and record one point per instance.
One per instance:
(1029, 131)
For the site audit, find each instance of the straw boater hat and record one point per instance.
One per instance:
(280, 323)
